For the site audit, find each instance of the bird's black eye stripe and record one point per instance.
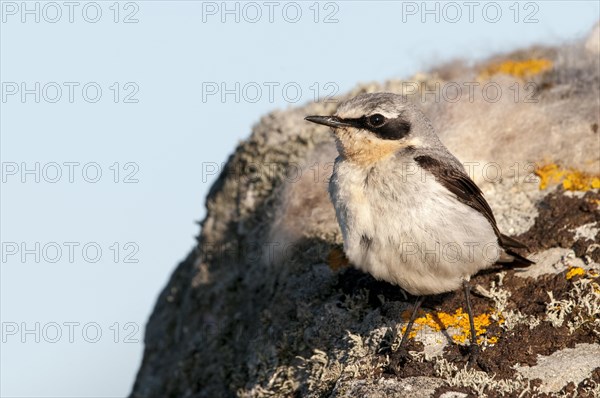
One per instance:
(390, 129)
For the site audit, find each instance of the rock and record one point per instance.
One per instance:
(415, 387)
(592, 44)
(554, 260)
(564, 366)
(264, 307)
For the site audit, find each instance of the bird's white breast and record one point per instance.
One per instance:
(400, 225)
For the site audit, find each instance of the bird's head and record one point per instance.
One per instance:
(372, 127)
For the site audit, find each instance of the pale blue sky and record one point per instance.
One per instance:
(165, 61)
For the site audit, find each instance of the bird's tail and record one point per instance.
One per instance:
(507, 241)
(515, 260)
(511, 258)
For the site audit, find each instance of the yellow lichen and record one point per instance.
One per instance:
(493, 340)
(336, 259)
(520, 69)
(441, 321)
(578, 181)
(575, 271)
(572, 180)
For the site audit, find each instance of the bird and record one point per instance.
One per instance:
(409, 213)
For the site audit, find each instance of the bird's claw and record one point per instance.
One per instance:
(398, 359)
(474, 351)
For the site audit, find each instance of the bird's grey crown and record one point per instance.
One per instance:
(367, 104)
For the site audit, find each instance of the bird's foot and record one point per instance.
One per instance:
(473, 355)
(472, 358)
(399, 359)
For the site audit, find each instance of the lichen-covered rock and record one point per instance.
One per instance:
(266, 307)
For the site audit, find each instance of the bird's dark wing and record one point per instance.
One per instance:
(459, 183)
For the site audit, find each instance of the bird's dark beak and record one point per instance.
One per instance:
(331, 121)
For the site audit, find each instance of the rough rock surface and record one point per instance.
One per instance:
(267, 307)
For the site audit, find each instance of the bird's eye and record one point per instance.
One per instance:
(376, 120)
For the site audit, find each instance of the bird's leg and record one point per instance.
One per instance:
(474, 348)
(411, 321)
(400, 357)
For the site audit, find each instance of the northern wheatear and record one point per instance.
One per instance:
(409, 213)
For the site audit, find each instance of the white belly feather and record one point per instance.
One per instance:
(402, 226)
